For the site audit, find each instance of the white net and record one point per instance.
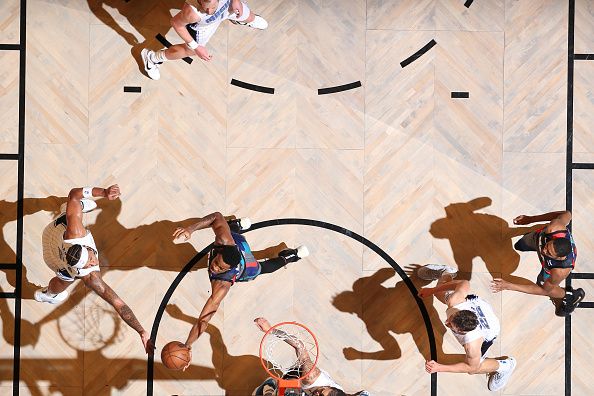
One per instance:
(279, 349)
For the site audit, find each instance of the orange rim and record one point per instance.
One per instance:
(288, 323)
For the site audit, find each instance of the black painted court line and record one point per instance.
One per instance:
(584, 57)
(582, 275)
(9, 156)
(569, 172)
(306, 222)
(582, 165)
(132, 89)
(339, 88)
(460, 95)
(10, 47)
(9, 266)
(586, 304)
(252, 87)
(167, 44)
(418, 54)
(20, 193)
(468, 3)
(7, 295)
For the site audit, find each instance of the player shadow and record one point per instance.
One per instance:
(237, 375)
(147, 17)
(480, 235)
(8, 214)
(386, 310)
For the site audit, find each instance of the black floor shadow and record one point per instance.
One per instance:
(386, 310)
(237, 375)
(148, 17)
(480, 235)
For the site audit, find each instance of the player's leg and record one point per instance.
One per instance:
(285, 257)
(55, 292)
(436, 271)
(267, 388)
(444, 295)
(528, 243)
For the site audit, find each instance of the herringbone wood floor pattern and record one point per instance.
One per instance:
(426, 177)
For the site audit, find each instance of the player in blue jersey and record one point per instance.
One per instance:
(230, 260)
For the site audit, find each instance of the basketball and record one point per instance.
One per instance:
(175, 355)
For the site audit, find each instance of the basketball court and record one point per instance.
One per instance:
(397, 134)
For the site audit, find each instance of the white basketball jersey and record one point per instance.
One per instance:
(323, 379)
(218, 16)
(488, 327)
(55, 246)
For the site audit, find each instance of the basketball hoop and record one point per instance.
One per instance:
(279, 359)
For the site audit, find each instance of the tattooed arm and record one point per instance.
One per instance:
(94, 282)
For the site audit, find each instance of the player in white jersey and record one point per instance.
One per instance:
(472, 322)
(317, 383)
(195, 24)
(70, 251)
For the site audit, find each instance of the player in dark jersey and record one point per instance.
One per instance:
(230, 260)
(557, 253)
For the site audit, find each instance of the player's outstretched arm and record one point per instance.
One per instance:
(470, 365)
(549, 288)
(219, 291)
(94, 282)
(216, 221)
(460, 287)
(559, 219)
(74, 227)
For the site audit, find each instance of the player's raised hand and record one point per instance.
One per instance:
(202, 53)
(498, 284)
(190, 359)
(181, 232)
(522, 220)
(236, 7)
(112, 192)
(148, 344)
(431, 366)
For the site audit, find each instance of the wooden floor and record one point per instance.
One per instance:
(428, 178)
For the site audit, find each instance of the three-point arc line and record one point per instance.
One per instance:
(305, 222)
(418, 54)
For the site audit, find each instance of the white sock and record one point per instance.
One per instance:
(158, 56)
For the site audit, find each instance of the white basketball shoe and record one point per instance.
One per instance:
(499, 378)
(257, 23)
(41, 295)
(151, 68)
